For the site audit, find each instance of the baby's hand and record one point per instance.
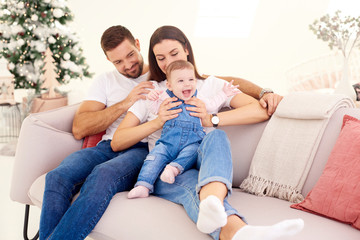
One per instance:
(229, 89)
(153, 95)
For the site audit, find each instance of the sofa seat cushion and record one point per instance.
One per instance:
(267, 210)
(159, 218)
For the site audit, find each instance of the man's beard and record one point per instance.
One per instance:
(140, 69)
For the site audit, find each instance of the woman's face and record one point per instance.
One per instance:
(168, 51)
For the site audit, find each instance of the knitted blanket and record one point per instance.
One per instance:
(289, 143)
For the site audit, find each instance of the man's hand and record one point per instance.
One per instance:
(138, 92)
(270, 101)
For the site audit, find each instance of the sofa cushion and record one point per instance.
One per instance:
(336, 194)
(160, 218)
(157, 218)
(91, 141)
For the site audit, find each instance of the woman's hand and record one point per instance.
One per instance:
(199, 111)
(165, 113)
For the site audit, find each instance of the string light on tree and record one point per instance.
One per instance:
(28, 29)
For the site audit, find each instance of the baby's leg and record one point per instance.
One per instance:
(184, 161)
(169, 174)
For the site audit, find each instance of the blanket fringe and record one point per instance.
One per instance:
(263, 187)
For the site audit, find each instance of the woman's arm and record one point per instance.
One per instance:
(269, 100)
(130, 131)
(244, 85)
(247, 110)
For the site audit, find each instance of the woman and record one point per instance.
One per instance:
(203, 191)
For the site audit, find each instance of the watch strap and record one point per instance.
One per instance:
(265, 90)
(214, 115)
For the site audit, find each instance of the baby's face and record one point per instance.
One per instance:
(182, 83)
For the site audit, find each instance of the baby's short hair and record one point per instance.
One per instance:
(179, 64)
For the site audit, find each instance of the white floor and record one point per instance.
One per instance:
(12, 213)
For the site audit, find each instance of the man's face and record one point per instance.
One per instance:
(127, 59)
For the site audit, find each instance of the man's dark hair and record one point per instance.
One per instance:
(115, 35)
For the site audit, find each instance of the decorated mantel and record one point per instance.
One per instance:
(27, 30)
(341, 32)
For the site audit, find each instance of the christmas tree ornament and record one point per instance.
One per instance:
(50, 74)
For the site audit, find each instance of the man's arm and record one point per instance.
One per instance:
(93, 117)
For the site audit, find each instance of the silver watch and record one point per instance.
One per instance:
(215, 120)
(265, 90)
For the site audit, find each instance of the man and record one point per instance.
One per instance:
(99, 172)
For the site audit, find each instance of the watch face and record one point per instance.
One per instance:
(215, 120)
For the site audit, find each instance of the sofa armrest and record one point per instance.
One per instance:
(45, 139)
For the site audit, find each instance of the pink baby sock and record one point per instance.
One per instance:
(139, 192)
(169, 174)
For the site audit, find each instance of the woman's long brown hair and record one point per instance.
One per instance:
(172, 33)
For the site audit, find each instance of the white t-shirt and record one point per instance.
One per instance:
(207, 88)
(110, 88)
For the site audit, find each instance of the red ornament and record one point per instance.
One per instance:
(43, 15)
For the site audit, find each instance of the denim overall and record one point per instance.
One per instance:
(178, 145)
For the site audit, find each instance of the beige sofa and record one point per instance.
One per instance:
(46, 139)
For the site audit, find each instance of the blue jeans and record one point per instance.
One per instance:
(99, 173)
(178, 146)
(214, 163)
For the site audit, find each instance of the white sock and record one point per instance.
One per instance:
(282, 229)
(139, 192)
(169, 174)
(212, 215)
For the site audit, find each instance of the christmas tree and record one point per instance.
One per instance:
(27, 29)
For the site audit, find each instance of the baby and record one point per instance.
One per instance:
(176, 150)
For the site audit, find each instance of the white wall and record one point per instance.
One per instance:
(280, 38)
